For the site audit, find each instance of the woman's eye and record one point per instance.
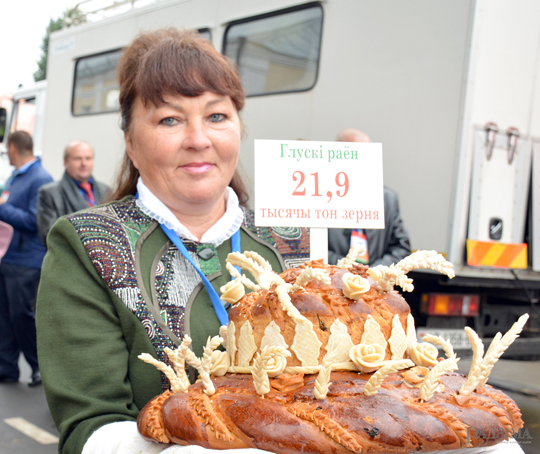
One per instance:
(169, 121)
(216, 118)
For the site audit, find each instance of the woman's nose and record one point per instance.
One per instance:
(196, 137)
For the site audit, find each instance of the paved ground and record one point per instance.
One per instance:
(21, 405)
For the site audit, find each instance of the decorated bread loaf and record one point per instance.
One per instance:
(325, 359)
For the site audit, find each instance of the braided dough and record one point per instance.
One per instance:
(291, 419)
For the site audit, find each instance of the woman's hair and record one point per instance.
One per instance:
(172, 62)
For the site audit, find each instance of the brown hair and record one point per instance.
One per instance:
(172, 62)
(22, 141)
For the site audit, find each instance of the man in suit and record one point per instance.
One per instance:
(76, 190)
(20, 269)
(383, 246)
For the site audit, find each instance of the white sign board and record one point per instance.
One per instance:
(318, 184)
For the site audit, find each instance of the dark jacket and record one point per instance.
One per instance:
(19, 211)
(385, 246)
(61, 198)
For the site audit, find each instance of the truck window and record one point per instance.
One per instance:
(95, 89)
(23, 116)
(277, 52)
(205, 33)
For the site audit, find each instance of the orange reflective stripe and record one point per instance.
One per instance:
(508, 256)
(476, 251)
(498, 255)
(493, 255)
(521, 259)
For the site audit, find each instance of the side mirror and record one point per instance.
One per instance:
(3, 122)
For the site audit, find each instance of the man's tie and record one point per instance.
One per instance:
(87, 188)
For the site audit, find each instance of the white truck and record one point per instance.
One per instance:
(450, 89)
(23, 110)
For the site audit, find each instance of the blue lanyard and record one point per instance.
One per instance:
(216, 302)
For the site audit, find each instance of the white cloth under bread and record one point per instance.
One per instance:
(120, 438)
(505, 447)
(124, 438)
(198, 450)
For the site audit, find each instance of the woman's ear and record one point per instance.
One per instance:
(129, 149)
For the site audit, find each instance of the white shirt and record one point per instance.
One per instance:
(220, 232)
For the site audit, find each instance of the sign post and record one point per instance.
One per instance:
(319, 185)
(318, 243)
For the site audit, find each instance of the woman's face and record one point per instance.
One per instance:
(186, 149)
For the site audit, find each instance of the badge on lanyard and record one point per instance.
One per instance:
(358, 238)
(5, 195)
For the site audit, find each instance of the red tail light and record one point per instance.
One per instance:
(450, 304)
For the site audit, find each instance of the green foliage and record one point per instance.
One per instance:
(3, 120)
(69, 17)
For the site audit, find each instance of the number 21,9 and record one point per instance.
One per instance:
(342, 181)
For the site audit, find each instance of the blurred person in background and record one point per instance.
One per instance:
(20, 268)
(133, 276)
(76, 190)
(381, 246)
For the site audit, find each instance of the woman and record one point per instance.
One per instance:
(115, 283)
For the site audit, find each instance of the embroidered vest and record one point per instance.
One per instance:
(109, 234)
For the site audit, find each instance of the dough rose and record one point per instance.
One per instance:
(423, 354)
(221, 362)
(354, 286)
(276, 365)
(367, 357)
(232, 291)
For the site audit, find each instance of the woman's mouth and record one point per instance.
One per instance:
(197, 167)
